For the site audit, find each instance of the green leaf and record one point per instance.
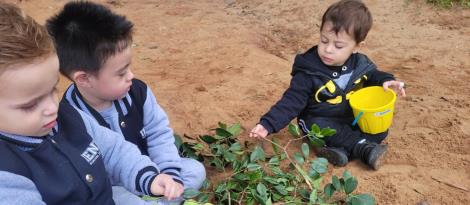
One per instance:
(305, 150)
(313, 197)
(316, 182)
(313, 174)
(347, 174)
(235, 147)
(276, 170)
(208, 139)
(190, 193)
(198, 147)
(317, 142)
(275, 148)
(274, 161)
(206, 184)
(229, 157)
(222, 132)
(234, 129)
(217, 163)
(270, 180)
(282, 181)
(281, 189)
(350, 185)
(276, 197)
(336, 182)
(294, 129)
(178, 141)
(304, 193)
(241, 177)
(255, 175)
(257, 197)
(319, 166)
(203, 198)
(315, 129)
(361, 199)
(257, 154)
(328, 132)
(269, 202)
(253, 167)
(321, 160)
(329, 190)
(262, 190)
(298, 157)
(220, 188)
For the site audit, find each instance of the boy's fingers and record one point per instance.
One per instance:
(403, 93)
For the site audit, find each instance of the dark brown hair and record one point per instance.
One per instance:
(352, 16)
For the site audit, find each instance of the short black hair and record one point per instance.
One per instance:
(86, 34)
(352, 16)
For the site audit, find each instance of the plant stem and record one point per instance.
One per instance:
(299, 169)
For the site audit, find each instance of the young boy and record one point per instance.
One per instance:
(94, 49)
(51, 153)
(322, 80)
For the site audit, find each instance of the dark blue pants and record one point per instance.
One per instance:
(346, 135)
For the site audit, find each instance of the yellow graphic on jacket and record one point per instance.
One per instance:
(327, 93)
(336, 100)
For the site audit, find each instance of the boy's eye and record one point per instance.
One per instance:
(124, 73)
(29, 107)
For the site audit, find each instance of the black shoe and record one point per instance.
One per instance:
(336, 156)
(377, 156)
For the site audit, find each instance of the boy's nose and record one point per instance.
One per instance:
(130, 75)
(329, 48)
(52, 105)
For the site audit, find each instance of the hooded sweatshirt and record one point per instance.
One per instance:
(319, 90)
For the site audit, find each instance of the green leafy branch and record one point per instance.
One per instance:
(250, 177)
(316, 136)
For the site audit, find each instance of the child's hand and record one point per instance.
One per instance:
(397, 86)
(259, 131)
(164, 185)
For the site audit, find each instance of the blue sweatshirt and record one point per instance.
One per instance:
(72, 165)
(139, 119)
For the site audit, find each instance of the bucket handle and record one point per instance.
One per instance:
(357, 118)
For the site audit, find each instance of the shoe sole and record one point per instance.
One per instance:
(380, 158)
(332, 158)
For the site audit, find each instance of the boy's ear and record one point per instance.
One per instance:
(81, 78)
(359, 46)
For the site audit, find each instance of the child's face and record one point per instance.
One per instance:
(115, 77)
(334, 49)
(28, 97)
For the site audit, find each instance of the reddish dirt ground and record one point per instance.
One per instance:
(214, 60)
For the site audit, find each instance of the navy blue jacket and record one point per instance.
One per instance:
(141, 120)
(73, 166)
(313, 91)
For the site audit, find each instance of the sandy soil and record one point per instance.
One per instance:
(215, 60)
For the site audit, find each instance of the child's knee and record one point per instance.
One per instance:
(193, 173)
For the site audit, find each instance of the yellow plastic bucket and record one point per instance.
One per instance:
(373, 109)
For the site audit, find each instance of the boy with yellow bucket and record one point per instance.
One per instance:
(323, 81)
